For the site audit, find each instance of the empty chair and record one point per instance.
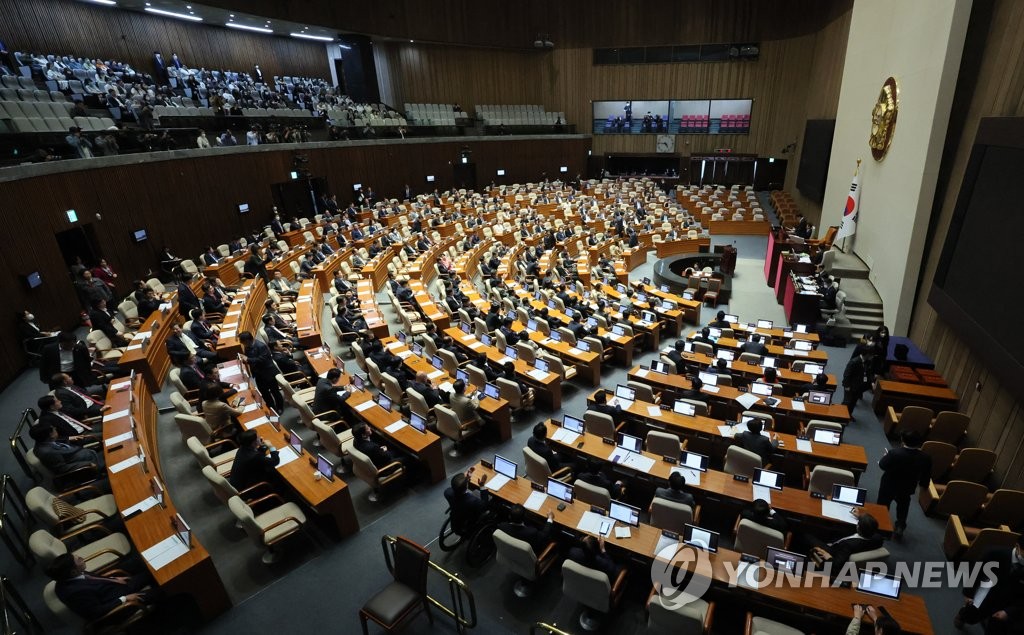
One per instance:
(962, 498)
(592, 589)
(664, 444)
(753, 538)
(406, 594)
(680, 618)
(449, 425)
(821, 479)
(741, 462)
(949, 427)
(672, 515)
(592, 494)
(644, 392)
(943, 455)
(1003, 507)
(59, 515)
(269, 527)
(971, 544)
(600, 424)
(911, 419)
(519, 557)
(972, 464)
(765, 626)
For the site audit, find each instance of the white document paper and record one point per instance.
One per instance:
(534, 501)
(134, 347)
(622, 532)
(501, 362)
(251, 407)
(747, 400)
(803, 445)
(467, 338)
(799, 353)
(838, 511)
(366, 405)
(762, 492)
(710, 389)
(798, 405)
(230, 313)
(115, 415)
(537, 374)
(227, 333)
(496, 482)
(403, 354)
(125, 464)
(258, 421)
(286, 455)
(575, 351)
(140, 506)
(567, 437)
(654, 411)
(395, 427)
(476, 345)
(118, 439)
(165, 552)
(642, 372)
(121, 384)
(393, 345)
(727, 431)
(436, 374)
(667, 545)
(230, 371)
(591, 522)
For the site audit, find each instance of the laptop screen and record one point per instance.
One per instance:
(437, 362)
(764, 324)
(583, 346)
(887, 586)
(745, 419)
(357, 382)
(768, 362)
(802, 345)
(621, 288)
(384, 402)
(540, 364)
(510, 351)
(505, 467)
(659, 367)
(618, 331)
(417, 349)
(831, 437)
(466, 328)
(782, 560)
(401, 336)
(694, 461)
(709, 379)
(687, 295)
(463, 375)
(324, 467)
(625, 392)
(801, 328)
(485, 339)
(762, 389)
(701, 538)
(624, 513)
(551, 304)
(416, 421)
(629, 442)
(813, 369)
(731, 319)
(556, 336)
(664, 288)
(295, 442)
(820, 397)
(849, 495)
(531, 325)
(714, 332)
(641, 297)
(683, 408)
(767, 478)
(726, 354)
(572, 424)
(668, 306)
(492, 391)
(561, 491)
(591, 322)
(649, 317)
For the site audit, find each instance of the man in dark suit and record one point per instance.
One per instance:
(210, 256)
(693, 393)
(903, 470)
(516, 527)
(601, 405)
(75, 402)
(760, 512)
(676, 355)
(59, 456)
(1001, 610)
(68, 428)
(493, 318)
(90, 595)
(838, 552)
(201, 329)
(380, 455)
(705, 336)
(326, 397)
(405, 294)
(432, 395)
(754, 345)
(276, 226)
(591, 554)
(676, 490)
(855, 380)
(187, 298)
(753, 441)
(263, 369)
(102, 320)
(720, 321)
(181, 344)
(67, 355)
(467, 506)
(252, 464)
(538, 442)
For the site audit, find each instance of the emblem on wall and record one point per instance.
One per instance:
(883, 119)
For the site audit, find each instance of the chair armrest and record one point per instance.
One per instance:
(82, 472)
(546, 557)
(253, 488)
(619, 585)
(82, 530)
(299, 379)
(807, 475)
(220, 442)
(696, 515)
(736, 525)
(562, 473)
(286, 519)
(391, 469)
(328, 415)
(103, 552)
(788, 540)
(121, 615)
(709, 617)
(82, 488)
(271, 496)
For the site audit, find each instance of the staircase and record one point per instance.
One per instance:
(863, 304)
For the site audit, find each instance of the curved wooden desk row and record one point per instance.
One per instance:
(829, 602)
(790, 379)
(784, 355)
(244, 314)
(369, 309)
(309, 306)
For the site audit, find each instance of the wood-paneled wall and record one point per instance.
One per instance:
(991, 88)
(190, 201)
(66, 27)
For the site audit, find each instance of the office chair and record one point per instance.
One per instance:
(406, 594)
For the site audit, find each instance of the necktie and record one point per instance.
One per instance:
(84, 396)
(77, 425)
(199, 372)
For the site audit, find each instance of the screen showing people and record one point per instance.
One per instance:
(679, 116)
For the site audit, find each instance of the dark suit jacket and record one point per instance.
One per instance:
(903, 469)
(210, 259)
(757, 443)
(600, 561)
(678, 360)
(202, 331)
(542, 449)
(684, 498)
(64, 429)
(103, 321)
(49, 365)
(842, 549)
(191, 377)
(615, 412)
(175, 345)
(93, 597)
(776, 522)
(372, 449)
(326, 397)
(187, 299)
(73, 405)
(756, 348)
(60, 457)
(431, 395)
(252, 466)
(1008, 592)
(854, 374)
(537, 538)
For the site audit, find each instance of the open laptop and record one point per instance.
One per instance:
(726, 354)
(701, 538)
(813, 369)
(787, 561)
(887, 586)
(765, 324)
(660, 367)
(625, 396)
(402, 336)
(629, 442)
(510, 351)
(324, 467)
(668, 305)
(648, 317)
(490, 390)
(583, 346)
(767, 478)
(768, 362)
(466, 328)
(384, 401)
(561, 491)
(437, 362)
(531, 325)
(485, 339)
(820, 397)
(417, 349)
(618, 331)
(709, 378)
(714, 333)
(591, 323)
(461, 374)
(687, 295)
(295, 442)
(731, 319)
(664, 288)
(556, 336)
(803, 345)
(624, 513)
(829, 437)
(540, 364)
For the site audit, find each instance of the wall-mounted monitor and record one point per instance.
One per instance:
(430, 178)
(72, 215)
(139, 235)
(677, 116)
(33, 280)
(563, 169)
(243, 208)
(293, 175)
(501, 172)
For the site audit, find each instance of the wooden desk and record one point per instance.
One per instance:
(778, 242)
(690, 309)
(799, 306)
(244, 314)
(323, 273)
(425, 446)
(664, 249)
(150, 359)
(899, 395)
(226, 270)
(191, 574)
(789, 264)
(309, 306)
(784, 354)
(370, 311)
(739, 227)
(633, 258)
(283, 262)
(826, 601)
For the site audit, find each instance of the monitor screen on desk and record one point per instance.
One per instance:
(624, 513)
(492, 391)
(437, 362)
(687, 295)
(660, 367)
(324, 467)
(541, 364)
(708, 378)
(767, 478)
(803, 345)
(384, 402)
(461, 374)
(629, 442)
(813, 369)
(647, 316)
(726, 354)
(829, 437)
(768, 362)
(621, 288)
(591, 322)
(694, 461)
(765, 324)
(849, 495)
(466, 328)
(701, 538)
(573, 424)
(625, 392)
(641, 297)
(618, 331)
(583, 346)
(505, 467)
(887, 586)
(761, 389)
(510, 351)
(417, 422)
(485, 339)
(357, 382)
(556, 336)
(765, 423)
(531, 324)
(801, 328)
(402, 336)
(782, 560)
(664, 289)
(714, 332)
(684, 408)
(295, 442)
(668, 305)
(561, 491)
(417, 349)
(820, 397)
(731, 319)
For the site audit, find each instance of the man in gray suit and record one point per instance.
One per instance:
(465, 408)
(60, 457)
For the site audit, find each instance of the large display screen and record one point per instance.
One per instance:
(678, 116)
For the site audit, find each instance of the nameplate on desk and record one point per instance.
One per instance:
(125, 464)
(115, 415)
(799, 353)
(140, 507)
(305, 328)
(258, 421)
(230, 313)
(118, 439)
(301, 300)
(436, 374)
(366, 405)
(227, 333)
(165, 552)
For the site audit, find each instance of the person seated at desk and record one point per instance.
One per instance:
(752, 440)
(516, 527)
(769, 376)
(389, 363)
(720, 367)
(493, 319)
(431, 393)
(61, 456)
(75, 401)
(838, 552)
(181, 344)
(676, 355)
(282, 287)
(820, 382)
(755, 346)
(693, 393)
(511, 337)
(538, 442)
(405, 294)
(211, 301)
(103, 320)
(220, 416)
(705, 337)
(210, 256)
(379, 454)
(884, 624)
(28, 330)
(347, 322)
(68, 428)
(676, 491)
(760, 512)
(275, 334)
(273, 309)
(342, 285)
(1001, 610)
(466, 505)
(613, 410)
(328, 395)
(465, 408)
(591, 554)
(508, 371)
(93, 595)
(201, 329)
(252, 463)
(193, 377)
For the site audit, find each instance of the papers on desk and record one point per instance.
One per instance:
(746, 399)
(228, 333)
(165, 552)
(797, 405)
(366, 405)
(537, 374)
(503, 360)
(804, 445)
(667, 545)
(258, 421)
(242, 385)
(642, 372)
(838, 511)
(115, 415)
(140, 506)
(166, 306)
(762, 492)
(591, 523)
(467, 338)
(496, 482)
(567, 437)
(286, 455)
(251, 407)
(230, 371)
(403, 354)
(393, 345)
(654, 411)
(434, 316)
(808, 293)
(446, 386)
(230, 313)
(622, 532)
(121, 384)
(534, 501)
(436, 374)
(476, 345)
(395, 427)
(125, 464)
(118, 439)
(711, 389)
(134, 347)
(727, 431)
(638, 462)
(575, 351)
(690, 476)
(800, 353)
(141, 335)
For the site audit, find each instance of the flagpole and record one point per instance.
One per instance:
(856, 171)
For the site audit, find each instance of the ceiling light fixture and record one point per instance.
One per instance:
(307, 36)
(246, 27)
(109, 3)
(172, 14)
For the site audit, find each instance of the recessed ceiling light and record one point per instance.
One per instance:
(106, 2)
(246, 27)
(307, 36)
(172, 14)
(411, 42)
